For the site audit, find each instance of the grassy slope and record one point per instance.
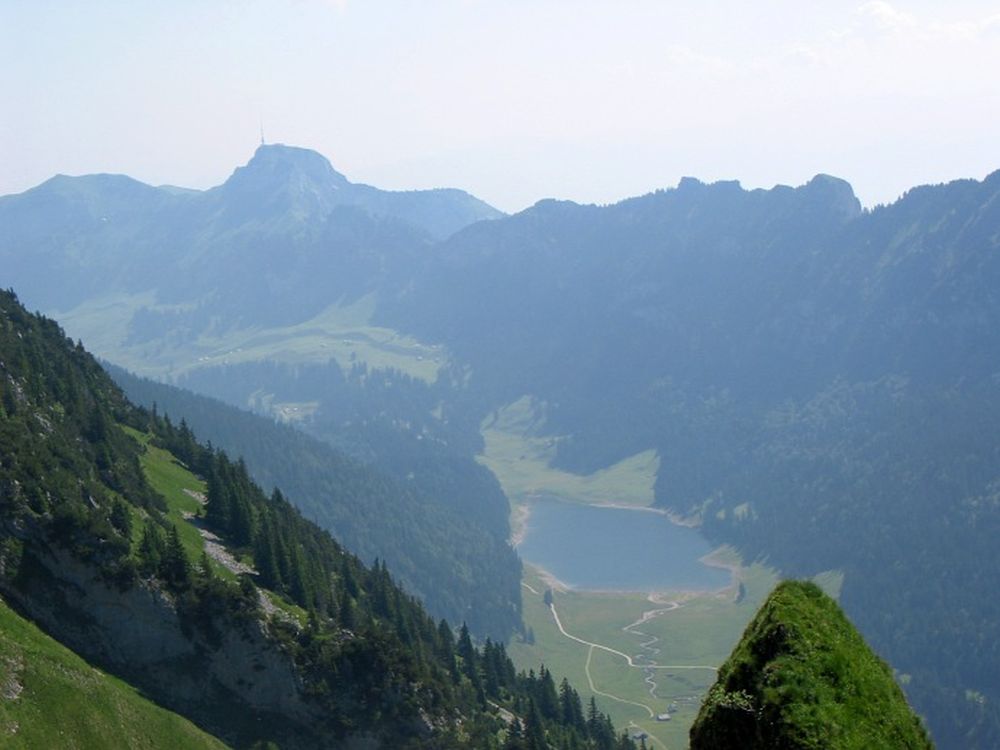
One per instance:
(65, 703)
(171, 479)
(520, 456)
(341, 333)
(802, 677)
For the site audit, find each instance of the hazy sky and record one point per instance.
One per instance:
(513, 100)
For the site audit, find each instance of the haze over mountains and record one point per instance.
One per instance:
(820, 382)
(282, 211)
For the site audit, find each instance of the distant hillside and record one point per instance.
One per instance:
(281, 179)
(802, 678)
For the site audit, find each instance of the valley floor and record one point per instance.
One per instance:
(640, 655)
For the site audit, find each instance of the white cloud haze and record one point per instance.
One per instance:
(515, 101)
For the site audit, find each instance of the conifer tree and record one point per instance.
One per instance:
(151, 548)
(515, 736)
(174, 566)
(121, 519)
(534, 729)
(548, 699)
(569, 701)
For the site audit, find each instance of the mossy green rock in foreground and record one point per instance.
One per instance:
(802, 677)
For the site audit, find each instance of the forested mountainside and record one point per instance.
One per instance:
(160, 560)
(803, 678)
(440, 553)
(820, 383)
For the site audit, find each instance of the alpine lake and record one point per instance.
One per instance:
(610, 548)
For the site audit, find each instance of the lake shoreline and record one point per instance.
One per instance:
(690, 581)
(653, 595)
(688, 522)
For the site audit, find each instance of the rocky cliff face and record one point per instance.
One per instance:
(138, 632)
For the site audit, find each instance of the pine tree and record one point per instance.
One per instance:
(548, 699)
(446, 649)
(515, 736)
(218, 508)
(491, 678)
(174, 566)
(345, 613)
(205, 567)
(467, 652)
(264, 558)
(121, 519)
(151, 548)
(569, 703)
(470, 666)
(534, 730)
(298, 580)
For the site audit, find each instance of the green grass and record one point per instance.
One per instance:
(171, 479)
(66, 703)
(341, 333)
(291, 610)
(803, 677)
(520, 456)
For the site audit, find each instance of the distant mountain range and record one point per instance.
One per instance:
(282, 222)
(819, 381)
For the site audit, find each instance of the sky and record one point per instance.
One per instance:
(512, 100)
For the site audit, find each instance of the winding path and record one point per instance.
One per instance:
(616, 652)
(594, 689)
(648, 668)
